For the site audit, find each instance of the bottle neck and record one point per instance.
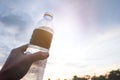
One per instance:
(45, 24)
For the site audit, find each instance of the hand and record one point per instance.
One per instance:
(18, 63)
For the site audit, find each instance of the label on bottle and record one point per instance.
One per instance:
(41, 37)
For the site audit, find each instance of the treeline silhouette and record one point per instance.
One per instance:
(112, 75)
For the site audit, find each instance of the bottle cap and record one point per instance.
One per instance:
(48, 15)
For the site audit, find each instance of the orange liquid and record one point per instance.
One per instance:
(41, 38)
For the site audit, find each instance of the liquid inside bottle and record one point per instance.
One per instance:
(40, 41)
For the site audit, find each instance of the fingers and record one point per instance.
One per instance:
(23, 48)
(38, 56)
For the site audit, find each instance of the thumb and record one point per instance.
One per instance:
(38, 56)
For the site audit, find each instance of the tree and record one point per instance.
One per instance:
(75, 77)
(102, 77)
(114, 75)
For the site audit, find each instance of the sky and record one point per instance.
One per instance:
(86, 34)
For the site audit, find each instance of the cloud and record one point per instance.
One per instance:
(15, 24)
(108, 35)
(95, 14)
(16, 20)
(76, 65)
(11, 37)
(12, 18)
(104, 46)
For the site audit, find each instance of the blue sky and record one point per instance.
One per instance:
(86, 38)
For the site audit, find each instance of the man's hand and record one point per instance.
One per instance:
(18, 63)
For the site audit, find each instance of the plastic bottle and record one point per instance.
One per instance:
(40, 41)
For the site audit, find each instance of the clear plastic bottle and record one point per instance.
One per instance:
(40, 41)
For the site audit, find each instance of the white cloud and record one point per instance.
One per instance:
(108, 35)
(11, 37)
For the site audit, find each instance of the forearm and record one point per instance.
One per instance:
(6, 75)
(3, 76)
